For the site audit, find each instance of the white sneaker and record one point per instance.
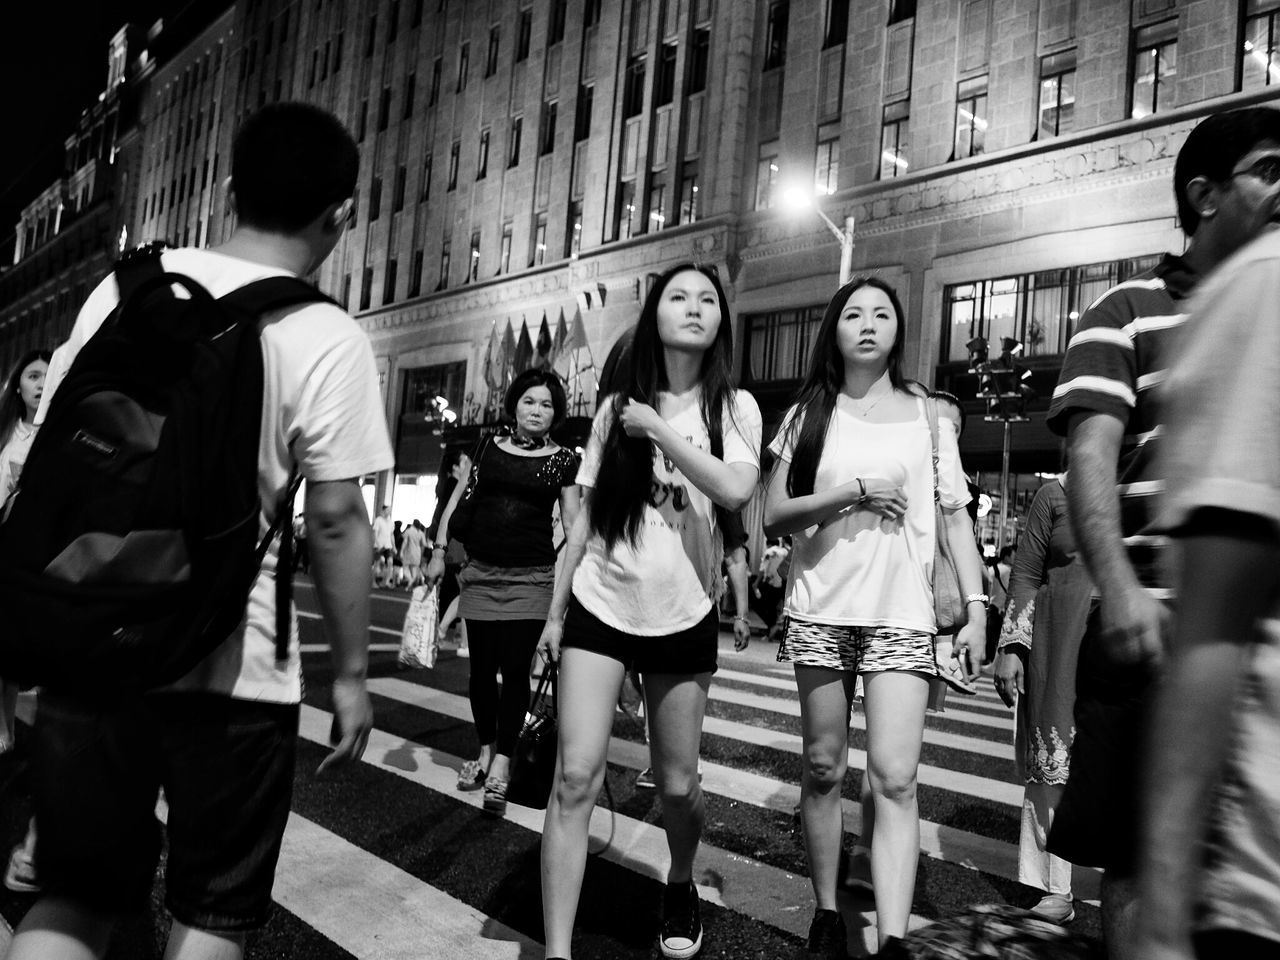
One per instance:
(1055, 908)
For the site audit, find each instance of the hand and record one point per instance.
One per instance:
(970, 648)
(1009, 675)
(435, 569)
(741, 633)
(885, 498)
(462, 469)
(640, 420)
(352, 721)
(1132, 624)
(949, 666)
(549, 642)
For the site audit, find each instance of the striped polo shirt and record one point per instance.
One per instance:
(1114, 363)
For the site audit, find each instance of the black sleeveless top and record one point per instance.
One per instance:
(511, 526)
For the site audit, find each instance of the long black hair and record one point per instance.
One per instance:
(12, 409)
(626, 463)
(816, 401)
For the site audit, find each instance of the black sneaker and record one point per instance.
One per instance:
(681, 935)
(827, 935)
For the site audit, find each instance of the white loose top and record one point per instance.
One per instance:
(860, 569)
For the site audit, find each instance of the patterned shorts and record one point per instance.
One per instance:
(858, 649)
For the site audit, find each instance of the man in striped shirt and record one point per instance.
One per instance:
(1107, 405)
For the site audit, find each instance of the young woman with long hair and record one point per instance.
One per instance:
(639, 584)
(854, 486)
(507, 582)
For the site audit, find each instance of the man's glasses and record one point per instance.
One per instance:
(1266, 169)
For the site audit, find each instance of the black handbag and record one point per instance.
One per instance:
(465, 511)
(533, 765)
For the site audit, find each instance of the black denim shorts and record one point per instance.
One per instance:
(692, 650)
(226, 767)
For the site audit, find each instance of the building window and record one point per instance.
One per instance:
(698, 51)
(504, 252)
(366, 288)
(426, 179)
(628, 213)
(454, 151)
(393, 22)
(582, 118)
(775, 37)
(424, 384)
(766, 175)
(337, 52)
(1039, 309)
(346, 291)
(464, 59)
(665, 90)
(389, 284)
(573, 233)
(409, 84)
(778, 344)
(1259, 58)
(444, 267)
(895, 140)
(590, 13)
(900, 10)
(368, 51)
(548, 141)
(433, 97)
(513, 148)
(524, 33)
(837, 23)
(491, 58)
(384, 109)
(971, 118)
(633, 91)
(1057, 94)
(538, 255)
(415, 274)
(482, 159)
(1155, 65)
(689, 194)
(657, 206)
(555, 23)
(473, 260)
(397, 193)
(826, 167)
(415, 18)
(375, 199)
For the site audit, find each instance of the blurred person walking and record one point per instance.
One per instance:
(1048, 602)
(639, 584)
(855, 486)
(412, 550)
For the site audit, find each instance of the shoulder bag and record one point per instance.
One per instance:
(464, 513)
(533, 765)
(948, 598)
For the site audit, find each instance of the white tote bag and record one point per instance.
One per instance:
(419, 640)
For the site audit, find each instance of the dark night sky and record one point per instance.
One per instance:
(55, 64)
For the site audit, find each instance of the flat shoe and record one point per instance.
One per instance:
(495, 796)
(471, 776)
(1055, 908)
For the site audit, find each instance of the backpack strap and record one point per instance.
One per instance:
(135, 267)
(274, 293)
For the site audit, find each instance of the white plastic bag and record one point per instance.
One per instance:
(419, 641)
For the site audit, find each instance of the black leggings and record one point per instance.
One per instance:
(505, 646)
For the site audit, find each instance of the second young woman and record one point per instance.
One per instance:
(854, 486)
(639, 586)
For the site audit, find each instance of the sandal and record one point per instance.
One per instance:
(471, 776)
(495, 796)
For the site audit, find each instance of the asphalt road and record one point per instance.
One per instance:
(388, 860)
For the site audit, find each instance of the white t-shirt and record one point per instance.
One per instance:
(667, 581)
(14, 457)
(320, 396)
(860, 569)
(383, 533)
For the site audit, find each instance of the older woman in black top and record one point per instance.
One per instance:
(507, 583)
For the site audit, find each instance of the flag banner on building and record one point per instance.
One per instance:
(524, 351)
(492, 375)
(557, 345)
(542, 358)
(507, 354)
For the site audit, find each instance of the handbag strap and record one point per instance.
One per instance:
(545, 680)
(931, 414)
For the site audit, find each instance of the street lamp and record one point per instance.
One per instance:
(795, 198)
(1003, 384)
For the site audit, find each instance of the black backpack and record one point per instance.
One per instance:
(129, 548)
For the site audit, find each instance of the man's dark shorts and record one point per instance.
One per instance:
(226, 767)
(1096, 823)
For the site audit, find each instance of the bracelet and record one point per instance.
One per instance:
(981, 598)
(443, 548)
(743, 619)
(862, 489)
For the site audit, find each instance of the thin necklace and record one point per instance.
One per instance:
(863, 411)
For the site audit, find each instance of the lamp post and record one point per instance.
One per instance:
(1003, 384)
(797, 199)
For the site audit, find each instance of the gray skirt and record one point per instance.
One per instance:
(505, 593)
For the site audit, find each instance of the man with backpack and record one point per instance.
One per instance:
(221, 739)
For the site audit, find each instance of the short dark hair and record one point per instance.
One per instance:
(1214, 147)
(291, 161)
(538, 377)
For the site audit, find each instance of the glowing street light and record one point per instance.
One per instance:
(796, 198)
